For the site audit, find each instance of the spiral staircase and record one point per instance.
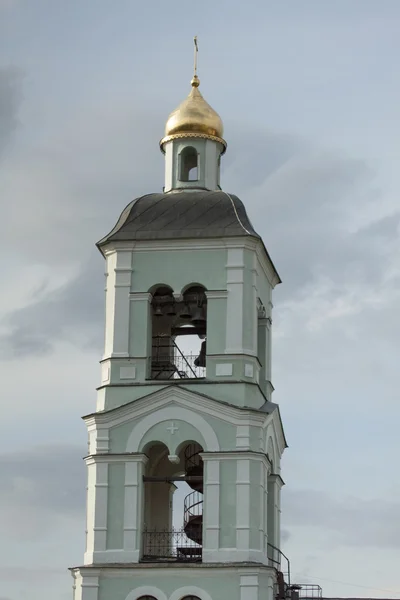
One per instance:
(193, 504)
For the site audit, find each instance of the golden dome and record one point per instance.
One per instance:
(195, 118)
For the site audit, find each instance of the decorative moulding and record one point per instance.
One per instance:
(127, 372)
(248, 370)
(223, 369)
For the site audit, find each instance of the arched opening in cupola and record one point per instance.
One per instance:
(179, 330)
(173, 503)
(189, 164)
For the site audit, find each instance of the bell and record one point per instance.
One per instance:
(198, 317)
(158, 312)
(201, 359)
(185, 314)
(171, 312)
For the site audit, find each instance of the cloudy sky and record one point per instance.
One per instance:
(309, 93)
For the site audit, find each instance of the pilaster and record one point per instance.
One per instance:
(97, 508)
(234, 309)
(97, 498)
(211, 511)
(118, 285)
(134, 506)
(86, 586)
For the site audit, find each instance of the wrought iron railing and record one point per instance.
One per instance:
(168, 361)
(309, 591)
(192, 456)
(171, 545)
(193, 506)
(280, 562)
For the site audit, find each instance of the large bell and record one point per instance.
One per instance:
(198, 317)
(185, 314)
(171, 311)
(200, 361)
(158, 312)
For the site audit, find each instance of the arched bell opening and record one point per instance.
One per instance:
(189, 164)
(173, 503)
(179, 329)
(191, 330)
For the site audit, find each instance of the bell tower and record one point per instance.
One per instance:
(185, 430)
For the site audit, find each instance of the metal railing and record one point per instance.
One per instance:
(280, 562)
(168, 361)
(193, 506)
(169, 545)
(309, 591)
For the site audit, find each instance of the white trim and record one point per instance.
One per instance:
(216, 294)
(190, 590)
(140, 296)
(234, 306)
(243, 437)
(182, 397)
(212, 243)
(235, 555)
(115, 556)
(211, 516)
(146, 590)
(111, 458)
(243, 483)
(174, 413)
(96, 513)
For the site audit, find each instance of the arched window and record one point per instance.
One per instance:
(189, 165)
(147, 598)
(190, 598)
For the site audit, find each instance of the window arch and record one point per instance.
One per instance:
(189, 164)
(147, 598)
(190, 598)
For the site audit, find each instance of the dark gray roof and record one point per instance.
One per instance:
(185, 214)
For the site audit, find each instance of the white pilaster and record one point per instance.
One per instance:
(234, 312)
(211, 518)
(119, 275)
(86, 585)
(249, 586)
(243, 504)
(134, 505)
(97, 498)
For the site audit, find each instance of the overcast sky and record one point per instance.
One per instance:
(309, 94)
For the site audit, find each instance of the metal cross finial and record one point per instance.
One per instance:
(196, 50)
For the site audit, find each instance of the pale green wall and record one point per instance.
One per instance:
(138, 330)
(185, 433)
(178, 268)
(119, 435)
(115, 505)
(216, 322)
(227, 504)
(218, 585)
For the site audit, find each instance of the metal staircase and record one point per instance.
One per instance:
(193, 504)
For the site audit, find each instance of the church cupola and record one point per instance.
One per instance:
(193, 143)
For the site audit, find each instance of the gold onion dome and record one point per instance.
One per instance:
(194, 118)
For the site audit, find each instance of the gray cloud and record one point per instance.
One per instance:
(293, 191)
(10, 96)
(73, 312)
(38, 486)
(351, 521)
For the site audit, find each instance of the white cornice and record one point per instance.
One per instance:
(236, 455)
(122, 457)
(275, 478)
(200, 244)
(178, 395)
(277, 426)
